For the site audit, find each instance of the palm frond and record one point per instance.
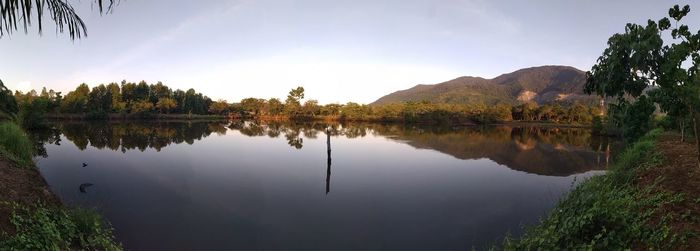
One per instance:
(23, 12)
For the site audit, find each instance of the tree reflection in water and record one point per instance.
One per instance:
(540, 150)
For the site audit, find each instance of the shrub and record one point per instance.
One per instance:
(54, 228)
(33, 114)
(14, 143)
(606, 212)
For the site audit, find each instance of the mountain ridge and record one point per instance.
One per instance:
(541, 84)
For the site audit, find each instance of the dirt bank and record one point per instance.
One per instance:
(678, 173)
(20, 185)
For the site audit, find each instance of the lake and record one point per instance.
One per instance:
(247, 185)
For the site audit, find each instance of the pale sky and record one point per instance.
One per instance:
(340, 51)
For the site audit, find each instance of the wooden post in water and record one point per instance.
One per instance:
(328, 170)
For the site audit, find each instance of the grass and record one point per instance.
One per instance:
(15, 145)
(607, 212)
(44, 227)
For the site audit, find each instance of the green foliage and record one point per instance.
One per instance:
(633, 118)
(598, 125)
(219, 107)
(606, 212)
(8, 105)
(143, 100)
(142, 107)
(17, 14)
(253, 106)
(43, 227)
(274, 107)
(76, 101)
(639, 59)
(14, 144)
(165, 104)
(32, 113)
(293, 102)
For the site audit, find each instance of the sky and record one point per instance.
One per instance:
(339, 51)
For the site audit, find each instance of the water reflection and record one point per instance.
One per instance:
(328, 169)
(83, 187)
(545, 151)
(251, 185)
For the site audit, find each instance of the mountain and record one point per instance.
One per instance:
(543, 84)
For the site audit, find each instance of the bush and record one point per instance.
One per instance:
(14, 144)
(32, 115)
(55, 228)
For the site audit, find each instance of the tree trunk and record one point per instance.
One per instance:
(682, 131)
(697, 137)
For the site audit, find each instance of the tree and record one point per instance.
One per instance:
(544, 112)
(310, 108)
(274, 107)
(165, 105)
(179, 97)
(293, 102)
(627, 67)
(128, 92)
(296, 94)
(143, 92)
(158, 91)
(332, 109)
(253, 106)
(638, 59)
(195, 102)
(32, 113)
(8, 105)
(219, 107)
(141, 107)
(579, 113)
(99, 100)
(115, 97)
(500, 112)
(76, 101)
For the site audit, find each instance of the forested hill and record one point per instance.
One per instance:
(543, 84)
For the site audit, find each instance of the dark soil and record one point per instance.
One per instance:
(678, 173)
(24, 186)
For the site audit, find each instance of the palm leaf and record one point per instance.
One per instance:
(23, 12)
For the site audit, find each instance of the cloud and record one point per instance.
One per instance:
(465, 18)
(142, 51)
(23, 86)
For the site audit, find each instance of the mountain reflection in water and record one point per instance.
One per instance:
(251, 185)
(547, 151)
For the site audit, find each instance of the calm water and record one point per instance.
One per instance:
(265, 186)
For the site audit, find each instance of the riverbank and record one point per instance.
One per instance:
(648, 200)
(33, 218)
(120, 116)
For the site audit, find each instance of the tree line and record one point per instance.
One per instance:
(126, 97)
(144, 100)
(138, 99)
(424, 111)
